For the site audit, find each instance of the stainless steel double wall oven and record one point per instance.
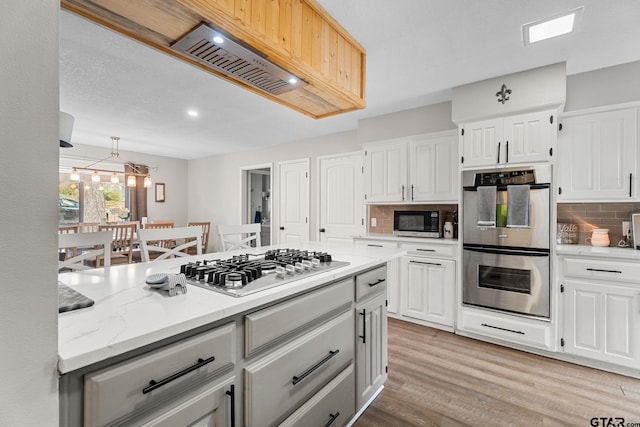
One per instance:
(506, 260)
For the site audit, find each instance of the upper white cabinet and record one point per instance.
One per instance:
(385, 166)
(598, 157)
(522, 138)
(421, 168)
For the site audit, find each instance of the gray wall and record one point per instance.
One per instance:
(171, 172)
(607, 86)
(427, 119)
(29, 121)
(215, 185)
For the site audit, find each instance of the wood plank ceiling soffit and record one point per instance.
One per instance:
(297, 35)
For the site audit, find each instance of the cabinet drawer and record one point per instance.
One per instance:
(527, 332)
(290, 317)
(335, 403)
(420, 249)
(117, 391)
(276, 384)
(371, 282)
(602, 270)
(376, 243)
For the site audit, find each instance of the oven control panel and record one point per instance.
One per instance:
(505, 178)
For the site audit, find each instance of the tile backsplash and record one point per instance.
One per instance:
(384, 214)
(588, 216)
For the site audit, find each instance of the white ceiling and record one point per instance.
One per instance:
(417, 50)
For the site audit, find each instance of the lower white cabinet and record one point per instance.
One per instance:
(371, 347)
(602, 322)
(393, 273)
(429, 289)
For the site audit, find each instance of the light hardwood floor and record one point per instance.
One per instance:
(440, 379)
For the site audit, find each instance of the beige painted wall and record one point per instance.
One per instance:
(28, 216)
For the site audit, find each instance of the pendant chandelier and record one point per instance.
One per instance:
(130, 178)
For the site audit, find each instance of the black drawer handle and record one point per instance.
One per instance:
(604, 271)
(376, 282)
(153, 384)
(425, 250)
(364, 326)
(376, 246)
(502, 329)
(427, 263)
(296, 379)
(332, 419)
(232, 393)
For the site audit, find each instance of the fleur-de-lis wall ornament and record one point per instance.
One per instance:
(503, 94)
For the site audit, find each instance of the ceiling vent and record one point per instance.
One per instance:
(215, 50)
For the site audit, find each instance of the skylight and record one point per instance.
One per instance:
(554, 26)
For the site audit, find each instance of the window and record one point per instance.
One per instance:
(88, 201)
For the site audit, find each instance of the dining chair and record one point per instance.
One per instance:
(160, 224)
(239, 241)
(88, 227)
(152, 240)
(206, 227)
(86, 247)
(67, 229)
(122, 244)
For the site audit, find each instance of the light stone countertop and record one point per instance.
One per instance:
(599, 252)
(128, 314)
(399, 239)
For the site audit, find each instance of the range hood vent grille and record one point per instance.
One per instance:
(235, 60)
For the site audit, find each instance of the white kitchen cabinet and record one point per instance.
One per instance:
(598, 157)
(428, 291)
(433, 168)
(385, 166)
(421, 168)
(522, 138)
(393, 273)
(601, 312)
(371, 337)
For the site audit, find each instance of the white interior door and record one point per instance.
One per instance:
(341, 198)
(294, 202)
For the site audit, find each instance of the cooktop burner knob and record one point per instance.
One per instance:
(280, 272)
(315, 263)
(290, 269)
(306, 264)
(299, 267)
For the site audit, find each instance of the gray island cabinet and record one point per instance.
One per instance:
(308, 353)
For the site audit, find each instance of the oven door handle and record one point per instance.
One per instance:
(497, 251)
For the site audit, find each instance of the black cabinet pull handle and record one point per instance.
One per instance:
(604, 271)
(232, 392)
(423, 262)
(507, 151)
(412, 192)
(153, 384)
(332, 419)
(376, 282)
(403, 192)
(281, 228)
(375, 246)
(502, 329)
(296, 379)
(630, 183)
(364, 326)
(498, 152)
(425, 250)
(322, 230)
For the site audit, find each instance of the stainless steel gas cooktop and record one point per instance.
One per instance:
(248, 273)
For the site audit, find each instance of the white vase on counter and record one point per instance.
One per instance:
(599, 237)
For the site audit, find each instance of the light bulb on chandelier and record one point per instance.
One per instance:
(75, 175)
(95, 176)
(115, 179)
(147, 181)
(131, 181)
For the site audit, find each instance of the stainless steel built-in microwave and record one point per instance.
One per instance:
(416, 223)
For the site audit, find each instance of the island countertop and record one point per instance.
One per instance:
(128, 314)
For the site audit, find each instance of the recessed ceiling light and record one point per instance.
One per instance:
(293, 80)
(557, 25)
(218, 40)
(192, 113)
